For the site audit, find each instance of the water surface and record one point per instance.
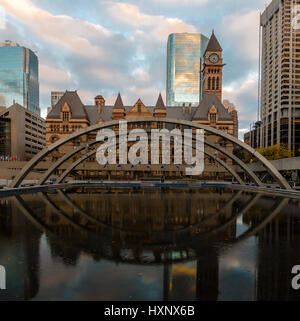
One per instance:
(127, 244)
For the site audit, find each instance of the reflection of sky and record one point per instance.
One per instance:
(90, 280)
(237, 269)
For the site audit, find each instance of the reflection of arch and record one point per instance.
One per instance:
(177, 243)
(39, 157)
(246, 208)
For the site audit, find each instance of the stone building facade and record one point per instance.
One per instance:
(70, 114)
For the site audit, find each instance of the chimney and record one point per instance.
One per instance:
(190, 109)
(183, 109)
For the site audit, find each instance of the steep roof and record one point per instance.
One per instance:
(160, 103)
(206, 103)
(75, 103)
(213, 44)
(119, 102)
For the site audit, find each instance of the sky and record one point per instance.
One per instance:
(107, 46)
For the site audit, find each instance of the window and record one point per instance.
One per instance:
(213, 83)
(213, 118)
(139, 108)
(54, 139)
(218, 83)
(209, 83)
(66, 116)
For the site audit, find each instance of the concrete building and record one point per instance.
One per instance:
(280, 75)
(234, 113)
(22, 133)
(19, 77)
(55, 97)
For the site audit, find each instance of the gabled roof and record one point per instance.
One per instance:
(206, 103)
(160, 103)
(213, 44)
(73, 101)
(119, 102)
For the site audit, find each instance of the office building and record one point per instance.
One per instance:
(280, 75)
(19, 77)
(55, 97)
(233, 112)
(22, 133)
(184, 56)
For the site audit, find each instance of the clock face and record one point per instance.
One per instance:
(214, 58)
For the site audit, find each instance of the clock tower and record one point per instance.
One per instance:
(213, 68)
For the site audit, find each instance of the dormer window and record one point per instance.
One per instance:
(66, 116)
(213, 118)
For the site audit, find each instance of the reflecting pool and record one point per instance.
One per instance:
(149, 244)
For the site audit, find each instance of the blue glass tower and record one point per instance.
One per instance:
(184, 80)
(19, 77)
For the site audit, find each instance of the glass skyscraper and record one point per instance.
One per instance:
(185, 51)
(19, 77)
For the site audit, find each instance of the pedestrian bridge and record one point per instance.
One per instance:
(89, 149)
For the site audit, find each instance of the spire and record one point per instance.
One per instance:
(213, 44)
(160, 103)
(119, 102)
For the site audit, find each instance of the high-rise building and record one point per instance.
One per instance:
(184, 83)
(55, 97)
(233, 112)
(19, 76)
(280, 75)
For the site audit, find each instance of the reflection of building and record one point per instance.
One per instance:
(19, 78)
(20, 246)
(280, 71)
(278, 250)
(22, 133)
(275, 264)
(185, 50)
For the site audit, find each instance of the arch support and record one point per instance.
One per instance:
(39, 157)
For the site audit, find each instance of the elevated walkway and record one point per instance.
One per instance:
(268, 190)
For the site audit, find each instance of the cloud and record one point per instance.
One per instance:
(158, 26)
(112, 46)
(59, 31)
(243, 28)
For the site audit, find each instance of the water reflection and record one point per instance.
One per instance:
(123, 244)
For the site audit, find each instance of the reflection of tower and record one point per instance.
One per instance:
(207, 279)
(167, 281)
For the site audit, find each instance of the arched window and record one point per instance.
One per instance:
(213, 83)
(218, 83)
(66, 116)
(209, 83)
(54, 139)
